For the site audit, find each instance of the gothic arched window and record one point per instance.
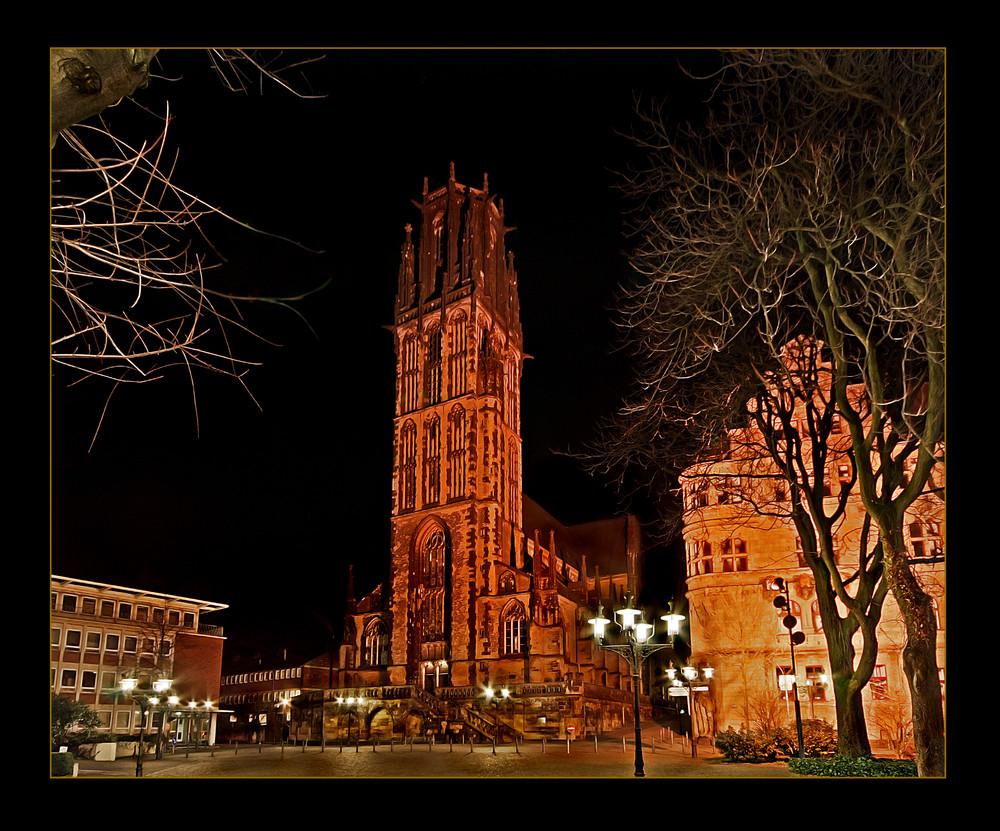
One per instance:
(408, 466)
(432, 580)
(409, 375)
(457, 350)
(456, 453)
(513, 629)
(507, 584)
(432, 460)
(375, 644)
(433, 366)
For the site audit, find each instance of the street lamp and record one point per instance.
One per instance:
(783, 601)
(350, 702)
(691, 678)
(635, 650)
(147, 704)
(505, 694)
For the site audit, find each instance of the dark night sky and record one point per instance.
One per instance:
(264, 508)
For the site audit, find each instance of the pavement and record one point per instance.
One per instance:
(611, 757)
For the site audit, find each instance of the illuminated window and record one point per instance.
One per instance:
(89, 606)
(816, 682)
(93, 641)
(456, 453)
(376, 644)
(925, 539)
(705, 553)
(68, 678)
(457, 355)
(507, 585)
(433, 366)
(513, 625)
(879, 682)
(699, 496)
(409, 386)
(408, 466)
(734, 555)
(432, 460)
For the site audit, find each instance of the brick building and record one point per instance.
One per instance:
(258, 689)
(739, 536)
(486, 591)
(103, 633)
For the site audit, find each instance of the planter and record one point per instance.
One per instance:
(106, 752)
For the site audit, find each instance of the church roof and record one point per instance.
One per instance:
(603, 542)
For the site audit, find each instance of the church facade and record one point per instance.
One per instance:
(481, 626)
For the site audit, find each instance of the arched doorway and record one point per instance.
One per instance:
(381, 725)
(413, 724)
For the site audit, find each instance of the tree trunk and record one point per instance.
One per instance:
(852, 728)
(919, 658)
(84, 82)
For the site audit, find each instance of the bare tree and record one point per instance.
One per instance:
(131, 290)
(809, 203)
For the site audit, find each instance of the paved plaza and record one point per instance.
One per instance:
(610, 759)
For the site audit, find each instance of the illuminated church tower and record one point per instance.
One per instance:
(457, 464)
(486, 590)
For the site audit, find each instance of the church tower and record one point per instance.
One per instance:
(457, 498)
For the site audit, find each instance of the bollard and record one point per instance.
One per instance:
(543, 744)
(623, 744)
(595, 742)
(567, 746)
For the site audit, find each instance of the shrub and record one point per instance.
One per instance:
(62, 764)
(746, 746)
(818, 739)
(844, 766)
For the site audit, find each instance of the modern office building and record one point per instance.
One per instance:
(102, 634)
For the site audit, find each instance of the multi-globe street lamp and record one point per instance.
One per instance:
(635, 649)
(490, 698)
(688, 689)
(148, 704)
(348, 705)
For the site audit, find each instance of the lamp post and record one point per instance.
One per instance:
(783, 601)
(635, 650)
(687, 688)
(147, 703)
(505, 694)
(350, 702)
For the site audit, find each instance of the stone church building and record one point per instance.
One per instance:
(481, 627)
